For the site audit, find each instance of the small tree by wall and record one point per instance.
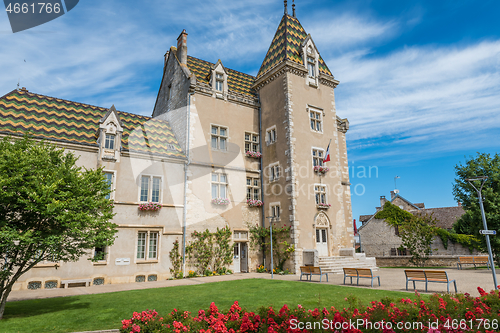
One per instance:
(176, 260)
(210, 251)
(417, 234)
(260, 239)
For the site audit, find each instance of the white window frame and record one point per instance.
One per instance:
(274, 172)
(318, 155)
(147, 245)
(106, 255)
(311, 66)
(109, 144)
(252, 143)
(113, 183)
(240, 235)
(315, 120)
(219, 82)
(253, 188)
(271, 135)
(275, 211)
(218, 137)
(219, 183)
(151, 179)
(320, 194)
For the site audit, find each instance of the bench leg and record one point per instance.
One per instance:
(426, 283)
(378, 280)
(326, 277)
(455, 283)
(406, 284)
(344, 279)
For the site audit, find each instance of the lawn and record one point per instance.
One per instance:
(105, 311)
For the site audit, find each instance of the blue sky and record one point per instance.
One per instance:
(419, 80)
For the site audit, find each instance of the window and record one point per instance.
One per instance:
(147, 245)
(251, 142)
(219, 185)
(240, 235)
(219, 137)
(100, 253)
(109, 142)
(315, 118)
(275, 211)
(311, 66)
(318, 156)
(219, 82)
(150, 189)
(108, 176)
(253, 189)
(320, 194)
(271, 135)
(274, 172)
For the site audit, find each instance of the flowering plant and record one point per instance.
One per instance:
(321, 169)
(254, 154)
(220, 201)
(152, 206)
(323, 205)
(440, 313)
(254, 203)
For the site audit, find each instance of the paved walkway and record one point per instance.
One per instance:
(390, 278)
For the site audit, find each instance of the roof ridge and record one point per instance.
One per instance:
(213, 63)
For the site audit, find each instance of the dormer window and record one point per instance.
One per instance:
(219, 82)
(109, 142)
(311, 66)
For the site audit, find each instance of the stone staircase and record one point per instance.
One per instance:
(335, 264)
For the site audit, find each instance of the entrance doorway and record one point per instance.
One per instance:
(240, 257)
(322, 242)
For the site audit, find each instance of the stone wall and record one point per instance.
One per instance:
(397, 261)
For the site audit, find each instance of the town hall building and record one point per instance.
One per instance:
(221, 149)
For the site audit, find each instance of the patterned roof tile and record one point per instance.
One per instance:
(58, 119)
(286, 45)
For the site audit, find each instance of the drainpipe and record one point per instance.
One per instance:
(261, 163)
(186, 166)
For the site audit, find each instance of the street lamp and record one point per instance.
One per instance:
(271, 219)
(485, 226)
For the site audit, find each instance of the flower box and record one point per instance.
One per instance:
(254, 203)
(321, 169)
(150, 206)
(323, 205)
(254, 154)
(220, 201)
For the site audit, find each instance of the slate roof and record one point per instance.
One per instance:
(236, 81)
(286, 45)
(66, 121)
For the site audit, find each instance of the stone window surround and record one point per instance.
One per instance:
(273, 211)
(324, 192)
(269, 132)
(113, 183)
(146, 259)
(106, 258)
(252, 187)
(252, 143)
(274, 171)
(319, 111)
(219, 136)
(150, 188)
(219, 69)
(219, 183)
(319, 158)
(309, 51)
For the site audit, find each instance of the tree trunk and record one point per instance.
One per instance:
(3, 301)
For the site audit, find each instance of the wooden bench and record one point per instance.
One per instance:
(309, 271)
(360, 273)
(428, 276)
(473, 260)
(65, 283)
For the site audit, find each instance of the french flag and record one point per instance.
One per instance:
(327, 156)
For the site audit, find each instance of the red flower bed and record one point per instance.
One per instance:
(442, 313)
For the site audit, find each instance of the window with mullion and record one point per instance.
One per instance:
(253, 189)
(251, 142)
(109, 142)
(219, 185)
(318, 156)
(150, 189)
(219, 138)
(315, 119)
(320, 194)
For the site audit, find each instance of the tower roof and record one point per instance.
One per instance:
(286, 46)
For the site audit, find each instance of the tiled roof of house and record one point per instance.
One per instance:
(364, 218)
(445, 216)
(286, 45)
(236, 81)
(62, 120)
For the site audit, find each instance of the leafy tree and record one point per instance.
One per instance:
(260, 239)
(50, 209)
(417, 233)
(471, 222)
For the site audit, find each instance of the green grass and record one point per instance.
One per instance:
(105, 311)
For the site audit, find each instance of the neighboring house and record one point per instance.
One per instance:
(202, 147)
(379, 239)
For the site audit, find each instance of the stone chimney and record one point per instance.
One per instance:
(383, 200)
(459, 204)
(393, 194)
(182, 47)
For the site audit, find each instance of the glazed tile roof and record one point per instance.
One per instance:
(286, 45)
(236, 81)
(62, 120)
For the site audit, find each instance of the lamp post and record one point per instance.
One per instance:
(485, 226)
(271, 219)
